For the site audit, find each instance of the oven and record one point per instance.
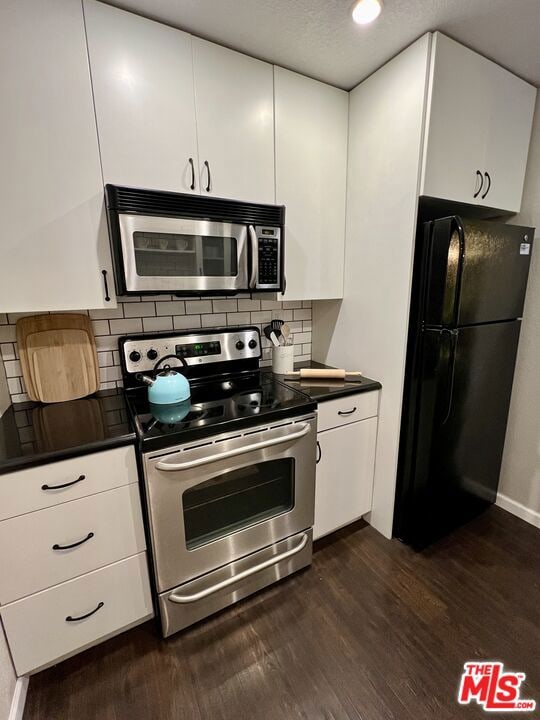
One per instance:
(229, 515)
(166, 242)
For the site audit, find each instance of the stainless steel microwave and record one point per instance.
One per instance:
(174, 243)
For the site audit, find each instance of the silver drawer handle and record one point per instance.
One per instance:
(170, 467)
(242, 575)
(346, 412)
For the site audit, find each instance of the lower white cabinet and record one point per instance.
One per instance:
(56, 623)
(344, 484)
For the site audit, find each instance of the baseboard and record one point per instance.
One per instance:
(521, 511)
(19, 699)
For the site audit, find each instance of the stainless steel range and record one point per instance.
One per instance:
(229, 476)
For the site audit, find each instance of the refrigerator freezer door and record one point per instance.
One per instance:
(455, 449)
(477, 272)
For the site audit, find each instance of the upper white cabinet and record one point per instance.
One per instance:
(311, 171)
(54, 233)
(234, 99)
(479, 120)
(142, 76)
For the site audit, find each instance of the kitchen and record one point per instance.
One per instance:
(202, 225)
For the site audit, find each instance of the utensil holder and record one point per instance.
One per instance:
(283, 359)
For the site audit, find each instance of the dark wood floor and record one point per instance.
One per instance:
(372, 631)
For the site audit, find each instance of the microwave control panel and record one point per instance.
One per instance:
(269, 251)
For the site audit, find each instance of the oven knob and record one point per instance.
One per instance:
(134, 356)
(252, 344)
(152, 354)
(240, 345)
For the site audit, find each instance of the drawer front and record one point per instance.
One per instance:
(109, 525)
(22, 491)
(37, 628)
(345, 410)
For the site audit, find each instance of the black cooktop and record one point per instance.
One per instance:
(216, 405)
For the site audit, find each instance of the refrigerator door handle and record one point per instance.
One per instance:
(451, 371)
(456, 222)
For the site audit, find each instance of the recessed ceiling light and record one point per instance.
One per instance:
(366, 11)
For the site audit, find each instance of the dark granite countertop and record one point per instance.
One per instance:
(321, 390)
(33, 433)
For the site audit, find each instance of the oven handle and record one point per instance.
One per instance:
(242, 575)
(254, 257)
(170, 467)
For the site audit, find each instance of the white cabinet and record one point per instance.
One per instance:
(54, 233)
(479, 120)
(235, 123)
(311, 171)
(72, 556)
(142, 75)
(344, 483)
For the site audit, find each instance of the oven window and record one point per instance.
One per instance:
(237, 499)
(177, 255)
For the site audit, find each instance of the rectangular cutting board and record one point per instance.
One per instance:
(58, 356)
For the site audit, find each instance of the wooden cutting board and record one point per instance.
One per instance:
(58, 356)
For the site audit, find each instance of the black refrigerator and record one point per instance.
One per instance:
(469, 286)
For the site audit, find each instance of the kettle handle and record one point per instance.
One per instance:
(166, 357)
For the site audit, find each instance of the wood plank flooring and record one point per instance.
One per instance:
(371, 631)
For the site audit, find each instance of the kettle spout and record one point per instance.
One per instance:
(145, 379)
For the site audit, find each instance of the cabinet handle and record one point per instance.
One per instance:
(59, 487)
(209, 183)
(479, 175)
(107, 296)
(319, 453)
(346, 412)
(73, 545)
(83, 617)
(488, 178)
(192, 186)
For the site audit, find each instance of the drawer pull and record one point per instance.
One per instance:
(83, 617)
(76, 544)
(59, 487)
(346, 412)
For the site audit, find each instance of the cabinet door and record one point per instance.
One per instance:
(479, 119)
(235, 123)
(142, 76)
(344, 483)
(311, 168)
(54, 232)
(459, 102)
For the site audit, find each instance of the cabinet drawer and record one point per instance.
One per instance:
(28, 560)
(37, 628)
(345, 410)
(22, 491)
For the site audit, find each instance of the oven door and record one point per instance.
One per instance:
(228, 497)
(182, 254)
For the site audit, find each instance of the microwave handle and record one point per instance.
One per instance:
(254, 256)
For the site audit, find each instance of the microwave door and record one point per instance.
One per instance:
(183, 255)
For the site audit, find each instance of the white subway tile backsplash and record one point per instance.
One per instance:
(162, 313)
(176, 307)
(198, 306)
(157, 324)
(140, 310)
(125, 327)
(214, 320)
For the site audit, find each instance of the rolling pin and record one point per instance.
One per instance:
(333, 374)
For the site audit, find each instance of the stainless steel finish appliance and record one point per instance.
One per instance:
(230, 487)
(188, 244)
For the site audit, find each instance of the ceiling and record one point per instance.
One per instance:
(318, 37)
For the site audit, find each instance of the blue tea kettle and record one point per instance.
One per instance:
(169, 386)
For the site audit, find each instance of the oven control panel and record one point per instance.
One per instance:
(143, 352)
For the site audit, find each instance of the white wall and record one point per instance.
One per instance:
(7, 678)
(368, 329)
(520, 475)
